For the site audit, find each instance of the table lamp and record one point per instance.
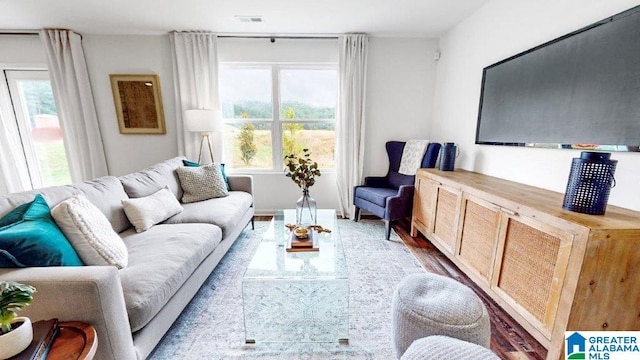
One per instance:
(204, 121)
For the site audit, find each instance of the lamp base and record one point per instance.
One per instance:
(205, 135)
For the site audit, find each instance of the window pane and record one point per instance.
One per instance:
(246, 93)
(308, 94)
(46, 135)
(319, 138)
(248, 145)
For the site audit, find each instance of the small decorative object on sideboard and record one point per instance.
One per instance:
(448, 155)
(15, 332)
(302, 170)
(590, 181)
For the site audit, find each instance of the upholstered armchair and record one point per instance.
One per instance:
(390, 197)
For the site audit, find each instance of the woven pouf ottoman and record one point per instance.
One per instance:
(429, 304)
(444, 347)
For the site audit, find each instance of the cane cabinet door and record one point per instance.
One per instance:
(424, 206)
(479, 237)
(532, 266)
(445, 226)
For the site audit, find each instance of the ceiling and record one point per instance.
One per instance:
(412, 18)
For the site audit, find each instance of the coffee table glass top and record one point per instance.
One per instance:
(297, 296)
(273, 261)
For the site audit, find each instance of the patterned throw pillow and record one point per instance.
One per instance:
(201, 183)
(90, 233)
(224, 173)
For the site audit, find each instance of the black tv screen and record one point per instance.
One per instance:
(581, 90)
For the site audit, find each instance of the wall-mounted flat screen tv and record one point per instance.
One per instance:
(579, 91)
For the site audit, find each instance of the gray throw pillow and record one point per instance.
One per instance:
(201, 183)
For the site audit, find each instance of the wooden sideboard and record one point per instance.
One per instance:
(551, 269)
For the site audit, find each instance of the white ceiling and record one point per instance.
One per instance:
(414, 18)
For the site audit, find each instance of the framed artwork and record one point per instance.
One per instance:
(138, 104)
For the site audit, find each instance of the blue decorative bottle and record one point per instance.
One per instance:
(448, 155)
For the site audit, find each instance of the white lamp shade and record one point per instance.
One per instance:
(203, 120)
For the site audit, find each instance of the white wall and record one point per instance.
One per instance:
(400, 85)
(401, 77)
(22, 50)
(498, 30)
(131, 54)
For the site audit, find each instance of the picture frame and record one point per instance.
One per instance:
(138, 103)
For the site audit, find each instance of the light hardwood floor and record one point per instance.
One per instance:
(508, 339)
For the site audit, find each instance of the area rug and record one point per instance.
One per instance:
(212, 325)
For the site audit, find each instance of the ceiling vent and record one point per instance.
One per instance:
(249, 19)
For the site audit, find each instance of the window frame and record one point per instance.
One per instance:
(13, 110)
(277, 121)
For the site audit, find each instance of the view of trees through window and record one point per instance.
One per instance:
(39, 128)
(262, 126)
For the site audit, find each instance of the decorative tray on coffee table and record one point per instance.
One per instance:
(308, 243)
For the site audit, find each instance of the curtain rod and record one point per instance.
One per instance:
(278, 37)
(19, 32)
(36, 32)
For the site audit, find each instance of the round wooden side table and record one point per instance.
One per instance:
(75, 341)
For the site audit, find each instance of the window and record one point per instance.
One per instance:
(271, 110)
(34, 111)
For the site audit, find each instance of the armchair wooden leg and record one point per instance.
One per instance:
(253, 224)
(357, 217)
(387, 229)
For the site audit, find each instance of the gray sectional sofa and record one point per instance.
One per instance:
(132, 308)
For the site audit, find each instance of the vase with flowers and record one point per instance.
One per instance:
(303, 171)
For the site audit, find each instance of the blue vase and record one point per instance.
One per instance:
(448, 155)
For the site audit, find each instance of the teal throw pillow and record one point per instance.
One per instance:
(15, 215)
(190, 163)
(224, 174)
(30, 237)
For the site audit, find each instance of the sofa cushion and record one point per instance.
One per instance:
(224, 212)
(107, 193)
(53, 195)
(377, 196)
(31, 237)
(160, 261)
(144, 212)
(201, 182)
(90, 233)
(154, 178)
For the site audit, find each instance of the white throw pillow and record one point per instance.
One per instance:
(147, 211)
(90, 233)
(202, 182)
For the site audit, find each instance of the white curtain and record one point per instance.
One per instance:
(14, 176)
(74, 103)
(351, 119)
(195, 71)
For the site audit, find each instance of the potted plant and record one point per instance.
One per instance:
(16, 333)
(302, 170)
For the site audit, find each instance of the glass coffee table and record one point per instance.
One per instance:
(297, 296)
